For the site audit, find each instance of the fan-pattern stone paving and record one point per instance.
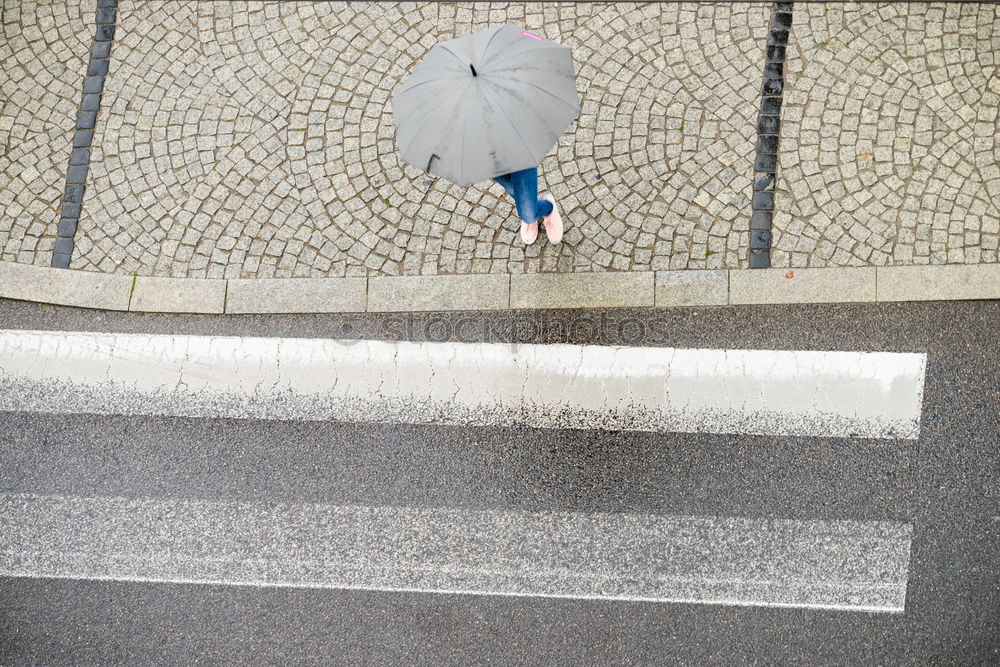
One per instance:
(249, 139)
(889, 139)
(44, 48)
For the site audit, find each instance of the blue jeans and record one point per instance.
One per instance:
(523, 187)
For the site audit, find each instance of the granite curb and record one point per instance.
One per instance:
(87, 289)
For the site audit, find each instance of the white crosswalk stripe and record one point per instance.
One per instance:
(850, 565)
(763, 392)
(816, 564)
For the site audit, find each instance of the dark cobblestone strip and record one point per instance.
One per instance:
(768, 130)
(86, 120)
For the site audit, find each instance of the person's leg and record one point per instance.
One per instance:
(529, 207)
(505, 183)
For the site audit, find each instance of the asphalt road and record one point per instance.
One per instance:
(945, 484)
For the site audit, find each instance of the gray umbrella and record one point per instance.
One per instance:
(485, 104)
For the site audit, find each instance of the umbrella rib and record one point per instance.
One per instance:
(514, 127)
(424, 83)
(427, 118)
(447, 50)
(486, 50)
(465, 127)
(535, 47)
(450, 52)
(535, 85)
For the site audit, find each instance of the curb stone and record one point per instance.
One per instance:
(298, 295)
(484, 291)
(582, 290)
(64, 287)
(692, 288)
(178, 295)
(88, 289)
(947, 282)
(851, 284)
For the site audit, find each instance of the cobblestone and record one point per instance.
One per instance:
(889, 136)
(268, 121)
(44, 49)
(255, 140)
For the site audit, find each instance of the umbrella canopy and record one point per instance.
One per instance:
(485, 104)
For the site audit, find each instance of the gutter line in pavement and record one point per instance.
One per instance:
(86, 123)
(768, 136)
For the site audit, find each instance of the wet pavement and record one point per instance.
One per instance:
(944, 484)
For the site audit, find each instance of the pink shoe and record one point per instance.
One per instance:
(529, 232)
(553, 222)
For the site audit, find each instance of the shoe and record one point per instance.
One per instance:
(529, 232)
(553, 222)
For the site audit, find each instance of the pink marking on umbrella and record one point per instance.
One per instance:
(528, 34)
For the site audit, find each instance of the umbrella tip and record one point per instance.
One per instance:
(473, 70)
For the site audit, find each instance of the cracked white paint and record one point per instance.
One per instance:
(850, 565)
(767, 392)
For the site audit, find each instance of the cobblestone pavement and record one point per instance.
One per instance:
(244, 139)
(43, 51)
(889, 151)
